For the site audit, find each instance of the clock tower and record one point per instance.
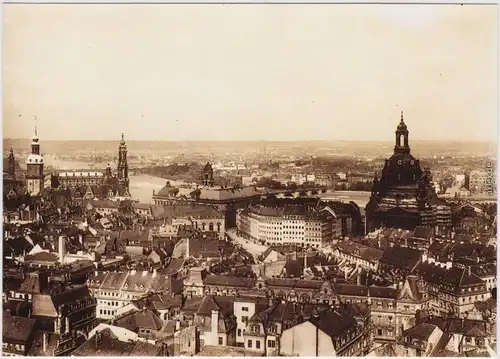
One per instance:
(34, 170)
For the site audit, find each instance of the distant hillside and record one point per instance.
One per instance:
(336, 148)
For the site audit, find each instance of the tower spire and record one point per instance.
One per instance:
(36, 130)
(402, 117)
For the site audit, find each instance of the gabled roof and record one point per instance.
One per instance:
(333, 324)
(143, 319)
(401, 257)
(109, 345)
(230, 281)
(420, 331)
(17, 330)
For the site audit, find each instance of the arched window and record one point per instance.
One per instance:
(211, 227)
(203, 225)
(218, 227)
(401, 140)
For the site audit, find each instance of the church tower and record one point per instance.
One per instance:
(34, 171)
(402, 145)
(122, 167)
(11, 163)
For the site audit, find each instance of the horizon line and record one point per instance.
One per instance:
(250, 140)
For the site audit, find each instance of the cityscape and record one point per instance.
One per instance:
(277, 236)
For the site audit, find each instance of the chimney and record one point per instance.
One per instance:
(45, 341)
(271, 301)
(62, 249)
(469, 272)
(215, 326)
(154, 272)
(80, 239)
(449, 265)
(97, 337)
(187, 247)
(424, 257)
(177, 325)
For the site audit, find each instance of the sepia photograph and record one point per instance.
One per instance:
(263, 180)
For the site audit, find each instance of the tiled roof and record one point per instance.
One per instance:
(109, 345)
(190, 210)
(143, 319)
(294, 283)
(423, 232)
(42, 257)
(332, 323)
(361, 251)
(17, 330)
(401, 257)
(383, 292)
(351, 289)
(420, 331)
(230, 281)
(114, 280)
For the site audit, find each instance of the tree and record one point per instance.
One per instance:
(125, 207)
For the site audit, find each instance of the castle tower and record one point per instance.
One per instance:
(122, 167)
(34, 171)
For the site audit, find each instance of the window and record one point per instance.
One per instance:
(249, 343)
(271, 344)
(257, 344)
(239, 332)
(379, 331)
(254, 328)
(244, 309)
(244, 319)
(221, 340)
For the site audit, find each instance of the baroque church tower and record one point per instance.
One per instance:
(122, 167)
(34, 164)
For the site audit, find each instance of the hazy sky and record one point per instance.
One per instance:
(250, 72)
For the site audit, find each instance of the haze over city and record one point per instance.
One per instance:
(250, 72)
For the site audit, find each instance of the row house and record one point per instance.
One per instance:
(452, 290)
(359, 254)
(114, 290)
(327, 333)
(447, 336)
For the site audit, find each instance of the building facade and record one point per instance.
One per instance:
(91, 184)
(285, 225)
(225, 199)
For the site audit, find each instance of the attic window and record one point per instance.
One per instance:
(126, 285)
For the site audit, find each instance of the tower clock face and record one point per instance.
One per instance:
(34, 171)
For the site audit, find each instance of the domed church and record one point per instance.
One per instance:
(404, 197)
